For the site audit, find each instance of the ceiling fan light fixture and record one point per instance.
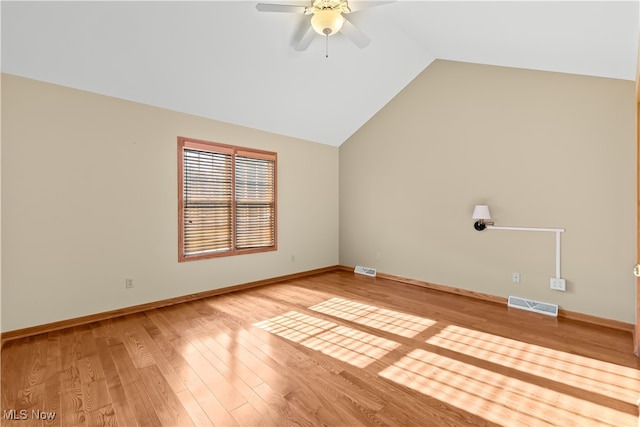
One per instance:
(327, 22)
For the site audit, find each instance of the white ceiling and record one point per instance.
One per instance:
(229, 62)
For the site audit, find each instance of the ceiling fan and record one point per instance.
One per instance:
(327, 19)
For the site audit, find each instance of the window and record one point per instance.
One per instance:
(226, 200)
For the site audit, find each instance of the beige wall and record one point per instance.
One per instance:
(89, 194)
(89, 197)
(0, 209)
(541, 149)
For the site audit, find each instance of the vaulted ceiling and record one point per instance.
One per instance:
(226, 61)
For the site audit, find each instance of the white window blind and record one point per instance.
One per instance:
(255, 207)
(227, 200)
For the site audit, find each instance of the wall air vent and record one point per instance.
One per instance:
(365, 270)
(536, 306)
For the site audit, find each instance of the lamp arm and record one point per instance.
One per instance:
(481, 224)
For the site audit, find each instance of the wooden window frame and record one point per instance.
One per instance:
(234, 151)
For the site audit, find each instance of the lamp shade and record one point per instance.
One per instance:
(481, 212)
(327, 22)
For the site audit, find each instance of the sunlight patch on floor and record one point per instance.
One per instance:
(295, 326)
(528, 385)
(343, 343)
(395, 322)
(588, 374)
(497, 397)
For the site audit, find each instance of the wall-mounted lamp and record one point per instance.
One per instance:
(481, 213)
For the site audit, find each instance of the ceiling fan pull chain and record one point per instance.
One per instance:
(326, 48)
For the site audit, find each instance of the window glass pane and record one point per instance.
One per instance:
(207, 202)
(255, 210)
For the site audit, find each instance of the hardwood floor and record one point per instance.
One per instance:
(332, 349)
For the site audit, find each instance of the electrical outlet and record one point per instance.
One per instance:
(558, 284)
(515, 277)
(128, 283)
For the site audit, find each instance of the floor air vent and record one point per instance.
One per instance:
(538, 307)
(366, 271)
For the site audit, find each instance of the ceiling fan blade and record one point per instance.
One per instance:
(287, 8)
(355, 35)
(360, 5)
(304, 38)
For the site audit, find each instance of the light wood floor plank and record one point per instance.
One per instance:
(224, 391)
(134, 392)
(167, 405)
(332, 349)
(190, 404)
